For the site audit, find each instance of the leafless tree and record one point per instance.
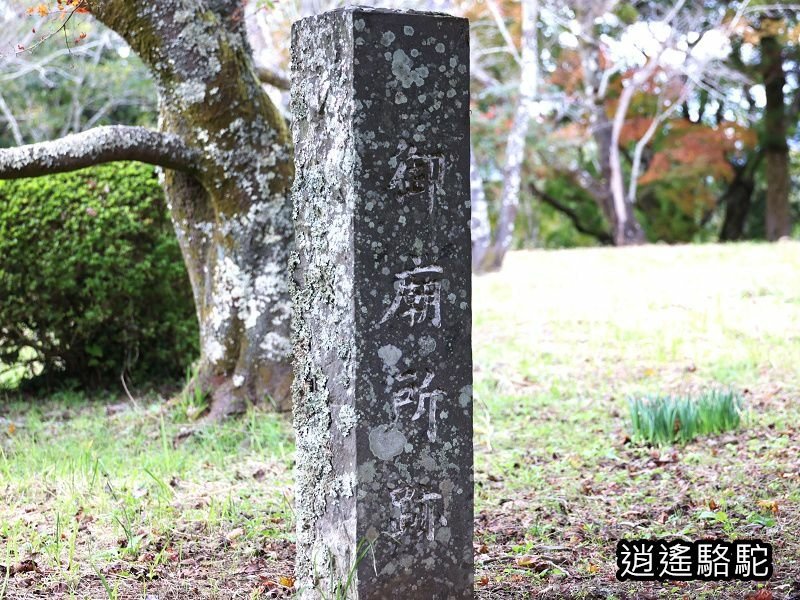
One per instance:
(488, 254)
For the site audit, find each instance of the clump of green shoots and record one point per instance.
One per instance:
(194, 399)
(663, 420)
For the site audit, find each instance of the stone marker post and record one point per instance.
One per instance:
(382, 324)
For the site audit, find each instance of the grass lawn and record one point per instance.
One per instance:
(102, 498)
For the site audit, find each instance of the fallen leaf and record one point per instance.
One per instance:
(770, 505)
(25, 566)
(269, 584)
(535, 563)
(483, 581)
(526, 561)
(286, 581)
(234, 534)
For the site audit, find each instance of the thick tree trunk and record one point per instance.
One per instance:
(480, 228)
(233, 219)
(737, 200)
(515, 148)
(776, 148)
(625, 227)
(492, 257)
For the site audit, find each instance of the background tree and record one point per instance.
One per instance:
(59, 87)
(775, 132)
(489, 254)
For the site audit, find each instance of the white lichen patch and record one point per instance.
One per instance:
(465, 396)
(404, 70)
(386, 442)
(276, 346)
(390, 355)
(427, 345)
(347, 419)
(343, 486)
(214, 351)
(191, 92)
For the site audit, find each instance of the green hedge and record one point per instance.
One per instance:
(91, 278)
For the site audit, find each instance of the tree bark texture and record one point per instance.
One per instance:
(515, 146)
(737, 200)
(480, 227)
(776, 148)
(620, 214)
(233, 214)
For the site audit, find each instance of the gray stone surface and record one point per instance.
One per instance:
(382, 301)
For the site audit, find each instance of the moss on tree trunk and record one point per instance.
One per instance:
(233, 219)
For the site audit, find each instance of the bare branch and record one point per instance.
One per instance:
(762, 8)
(11, 120)
(272, 77)
(40, 65)
(647, 137)
(701, 66)
(63, 27)
(501, 25)
(96, 146)
(601, 236)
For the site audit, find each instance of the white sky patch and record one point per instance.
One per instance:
(643, 40)
(647, 38)
(567, 40)
(673, 57)
(748, 53)
(540, 108)
(609, 19)
(714, 45)
(759, 95)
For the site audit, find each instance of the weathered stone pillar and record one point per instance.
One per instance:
(382, 327)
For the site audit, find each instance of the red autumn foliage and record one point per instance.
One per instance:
(692, 149)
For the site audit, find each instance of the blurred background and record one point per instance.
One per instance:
(593, 122)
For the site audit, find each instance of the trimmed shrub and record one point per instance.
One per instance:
(92, 282)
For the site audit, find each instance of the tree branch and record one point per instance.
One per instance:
(601, 236)
(96, 146)
(272, 77)
(11, 121)
(501, 26)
